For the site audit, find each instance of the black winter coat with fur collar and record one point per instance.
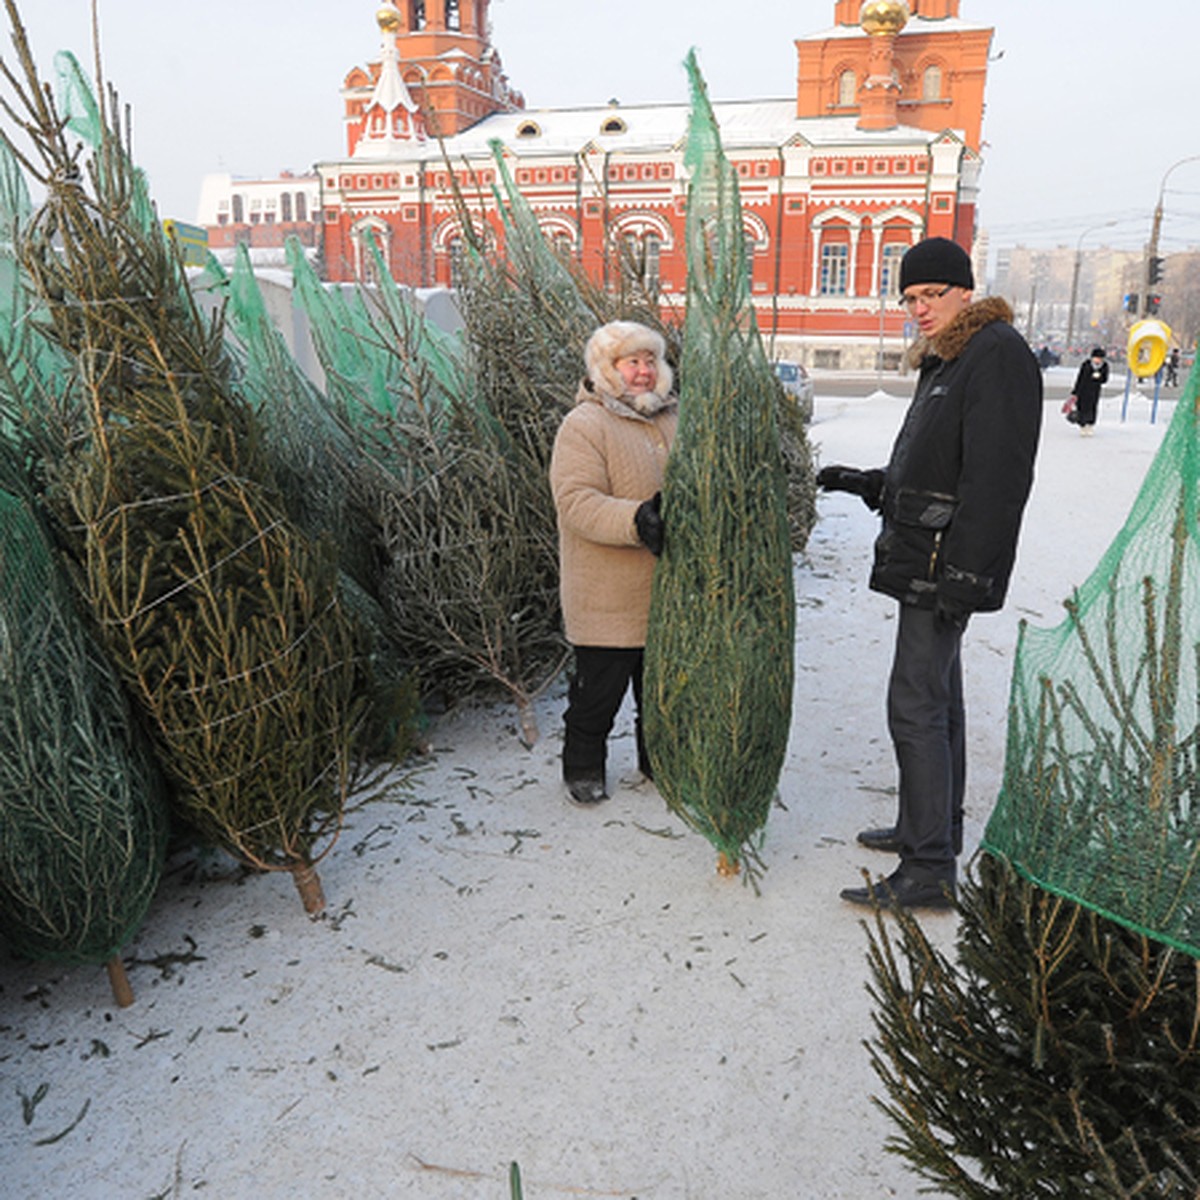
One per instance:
(962, 465)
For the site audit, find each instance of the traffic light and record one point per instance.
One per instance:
(1155, 273)
(1131, 302)
(1152, 303)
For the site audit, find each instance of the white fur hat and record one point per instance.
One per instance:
(616, 340)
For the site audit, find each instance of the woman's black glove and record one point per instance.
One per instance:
(867, 484)
(649, 523)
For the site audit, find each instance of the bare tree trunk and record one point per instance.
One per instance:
(308, 884)
(119, 982)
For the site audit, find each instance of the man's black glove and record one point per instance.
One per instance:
(649, 523)
(867, 484)
(959, 594)
(950, 614)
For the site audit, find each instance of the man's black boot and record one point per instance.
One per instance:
(884, 839)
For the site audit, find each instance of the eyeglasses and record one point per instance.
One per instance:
(911, 301)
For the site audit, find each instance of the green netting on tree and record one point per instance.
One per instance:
(718, 688)
(33, 374)
(83, 816)
(314, 457)
(220, 617)
(1101, 793)
(558, 303)
(469, 538)
(455, 433)
(380, 358)
(320, 471)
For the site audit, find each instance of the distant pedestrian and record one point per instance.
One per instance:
(1172, 368)
(1092, 376)
(1046, 357)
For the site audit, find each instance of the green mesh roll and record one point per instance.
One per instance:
(83, 819)
(1101, 794)
(719, 655)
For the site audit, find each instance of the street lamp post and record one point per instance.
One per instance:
(1075, 279)
(1156, 229)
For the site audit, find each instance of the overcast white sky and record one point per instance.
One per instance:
(1088, 108)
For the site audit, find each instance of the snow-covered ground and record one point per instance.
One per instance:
(501, 977)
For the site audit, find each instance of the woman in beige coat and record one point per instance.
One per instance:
(606, 473)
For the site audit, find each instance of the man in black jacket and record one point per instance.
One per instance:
(951, 499)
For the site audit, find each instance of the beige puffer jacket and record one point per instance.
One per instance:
(608, 457)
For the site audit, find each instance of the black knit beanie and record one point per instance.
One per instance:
(936, 260)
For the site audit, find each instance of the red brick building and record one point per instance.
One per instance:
(878, 148)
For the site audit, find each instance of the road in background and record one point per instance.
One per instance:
(1057, 382)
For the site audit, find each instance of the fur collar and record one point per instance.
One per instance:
(645, 405)
(950, 342)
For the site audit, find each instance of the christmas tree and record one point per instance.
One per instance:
(81, 850)
(719, 649)
(220, 617)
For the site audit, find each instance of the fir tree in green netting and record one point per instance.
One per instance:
(1102, 767)
(321, 467)
(464, 534)
(222, 620)
(1058, 1057)
(455, 435)
(83, 811)
(719, 652)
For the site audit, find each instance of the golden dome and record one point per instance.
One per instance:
(388, 18)
(883, 16)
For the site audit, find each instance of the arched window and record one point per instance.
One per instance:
(453, 17)
(613, 125)
(239, 210)
(368, 239)
(931, 83)
(847, 89)
(889, 269)
(835, 259)
(640, 255)
(285, 206)
(301, 207)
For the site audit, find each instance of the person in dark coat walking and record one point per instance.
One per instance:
(1092, 376)
(1171, 367)
(951, 499)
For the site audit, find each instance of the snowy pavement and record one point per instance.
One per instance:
(501, 977)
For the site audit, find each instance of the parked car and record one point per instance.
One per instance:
(796, 382)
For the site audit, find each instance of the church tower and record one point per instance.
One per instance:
(390, 117)
(452, 73)
(918, 65)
